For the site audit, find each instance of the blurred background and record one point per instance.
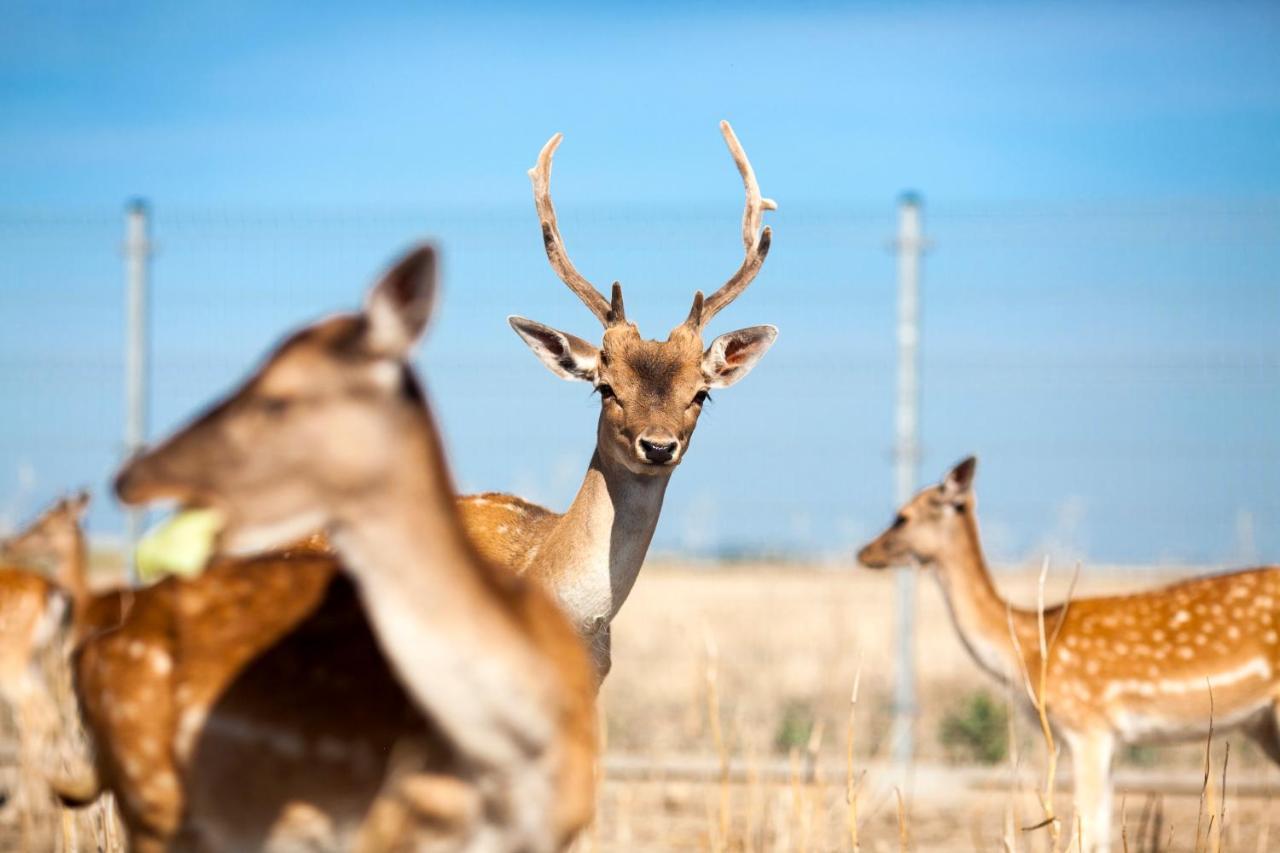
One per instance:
(1100, 299)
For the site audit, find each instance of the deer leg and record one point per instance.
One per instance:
(417, 809)
(1266, 733)
(421, 811)
(1091, 754)
(145, 842)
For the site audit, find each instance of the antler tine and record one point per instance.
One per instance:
(540, 175)
(755, 240)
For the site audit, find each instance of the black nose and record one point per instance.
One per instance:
(658, 452)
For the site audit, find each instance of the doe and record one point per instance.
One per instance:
(1151, 666)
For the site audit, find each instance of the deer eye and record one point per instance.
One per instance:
(701, 397)
(605, 390)
(900, 521)
(274, 406)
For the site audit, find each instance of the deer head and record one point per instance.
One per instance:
(340, 390)
(51, 539)
(651, 392)
(925, 523)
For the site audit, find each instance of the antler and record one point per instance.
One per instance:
(554, 244)
(755, 240)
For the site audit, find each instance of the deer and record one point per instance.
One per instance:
(42, 582)
(1162, 665)
(42, 575)
(651, 396)
(406, 693)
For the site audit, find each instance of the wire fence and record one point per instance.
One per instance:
(1115, 366)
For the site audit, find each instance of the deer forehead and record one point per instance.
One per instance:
(925, 506)
(658, 366)
(324, 352)
(290, 372)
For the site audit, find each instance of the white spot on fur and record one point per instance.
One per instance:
(160, 662)
(189, 726)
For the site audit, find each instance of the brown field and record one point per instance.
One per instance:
(785, 643)
(727, 718)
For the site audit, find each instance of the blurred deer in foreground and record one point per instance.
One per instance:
(494, 747)
(1121, 669)
(42, 574)
(651, 394)
(42, 581)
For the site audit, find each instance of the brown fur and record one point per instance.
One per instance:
(25, 601)
(259, 675)
(249, 626)
(506, 529)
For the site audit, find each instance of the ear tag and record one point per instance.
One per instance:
(179, 545)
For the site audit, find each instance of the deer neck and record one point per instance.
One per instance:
(980, 614)
(593, 555)
(437, 608)
(72, 572)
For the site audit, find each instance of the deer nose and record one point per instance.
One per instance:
(659, 450)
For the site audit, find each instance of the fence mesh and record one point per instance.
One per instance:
(1116, 367)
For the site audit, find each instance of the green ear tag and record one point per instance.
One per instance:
(179, 545)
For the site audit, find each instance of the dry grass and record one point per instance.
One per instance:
(793, 637)
(790, 639)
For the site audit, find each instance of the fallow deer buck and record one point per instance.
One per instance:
(1121, 669)
(243, 709)
(651, 394)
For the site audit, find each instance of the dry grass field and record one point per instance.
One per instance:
(775, 649)
(728, 717)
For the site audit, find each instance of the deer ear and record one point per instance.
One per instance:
(78, 501)
(400, 304)
(960, 478)
(565, 355)
(732, 355)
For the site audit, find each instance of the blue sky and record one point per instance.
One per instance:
(1103, 184)
(211, 103)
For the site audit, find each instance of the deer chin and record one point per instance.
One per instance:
(645, 468)
(638, 464)
(877, 559)
(243, 538)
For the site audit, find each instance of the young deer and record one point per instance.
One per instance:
(42, 574)
(492, 740)
(42, 581)
(1125, 669)
(651, 394)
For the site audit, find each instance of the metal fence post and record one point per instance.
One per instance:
(137, 266)
(909, 245)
